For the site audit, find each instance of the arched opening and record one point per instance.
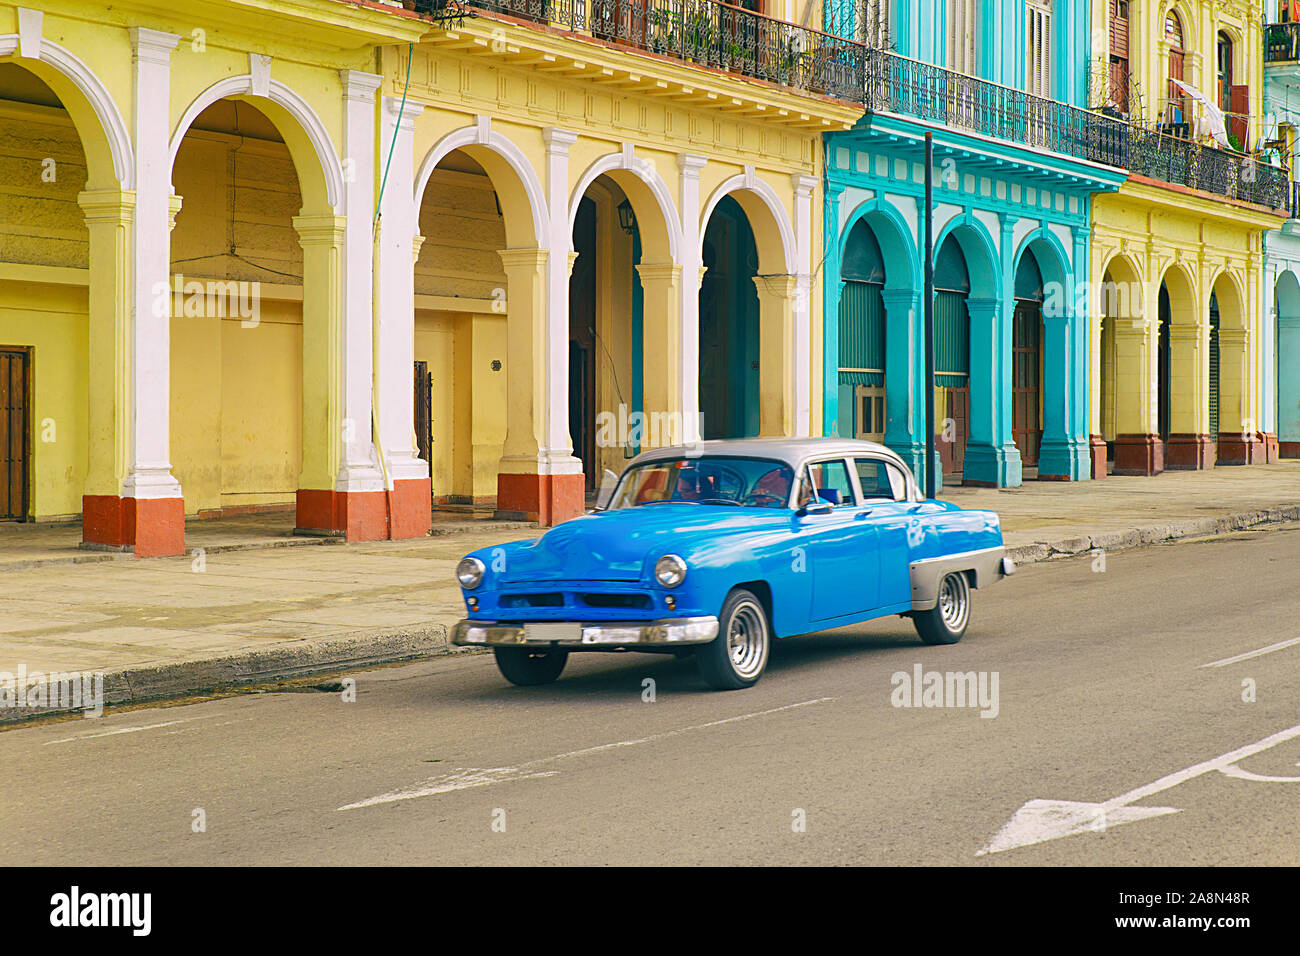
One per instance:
(1164, 398)
(461, 299)
(862, 334)
(1125, 383)
(237, 316)
(1182, 422)
(729, 325)
(607, 330)
(1233, 99)
(1106, 377)
(1027, 360)
(55, 313)
(1286, 304)
(1212, 394)
(952, 356)
(1233, 419)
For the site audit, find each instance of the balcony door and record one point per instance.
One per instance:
(1119, 55)
(1175, 112)
(963, 28)
(1038, 44)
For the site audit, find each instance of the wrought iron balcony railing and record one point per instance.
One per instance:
(1281, 42)
(735, 40)
(1181, 161)
(703, 32)
(911, 88)
(920, 90)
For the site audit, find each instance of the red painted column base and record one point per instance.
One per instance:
(354, 515)
(1271, 450)
(546, 499)
(1240, 450)
(1097, 446)
(1139, 455)
(1189, 452)
(411, 508)
(148, 527)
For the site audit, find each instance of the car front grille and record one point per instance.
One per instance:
(598, 599)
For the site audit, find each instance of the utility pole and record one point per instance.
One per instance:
(929, 316)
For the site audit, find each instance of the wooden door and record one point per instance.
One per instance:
(1026, 383)
(15, 431)
(1119, 54)
(953, 403)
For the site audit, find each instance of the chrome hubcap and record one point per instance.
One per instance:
(954, 601)
(747, 640)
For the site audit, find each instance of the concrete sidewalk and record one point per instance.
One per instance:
(254, 613)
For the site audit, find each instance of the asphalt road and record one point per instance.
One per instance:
(1105, 708)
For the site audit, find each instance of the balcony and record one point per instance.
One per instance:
(701, 32)
(1207, 168)
(1281, 42)
(896, 84)
(732, 40)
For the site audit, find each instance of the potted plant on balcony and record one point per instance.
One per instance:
(698, 35)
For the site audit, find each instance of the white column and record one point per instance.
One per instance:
(803, 237)
(150, 471)
(689, 285)
(399, 223)
(555, 457)
(358, 467)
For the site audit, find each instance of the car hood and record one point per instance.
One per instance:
(616, 545)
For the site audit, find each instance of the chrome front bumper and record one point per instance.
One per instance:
(685, 630)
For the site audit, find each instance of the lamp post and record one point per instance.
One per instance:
(929, 317)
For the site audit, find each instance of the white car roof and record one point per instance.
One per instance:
(792, 451)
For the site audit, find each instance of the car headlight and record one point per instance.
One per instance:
(470, 572)
(670, 570)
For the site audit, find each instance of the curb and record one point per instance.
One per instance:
(1151, 534)
(184, 678)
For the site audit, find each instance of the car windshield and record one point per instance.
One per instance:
(743, 482)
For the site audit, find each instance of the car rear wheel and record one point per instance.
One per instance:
(737, 657)
(946, 622)
(530, 666)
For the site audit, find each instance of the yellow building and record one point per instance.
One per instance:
(234, 236)
(1176, 252)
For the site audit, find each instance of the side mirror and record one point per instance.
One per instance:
(817, 507)
(608, 481)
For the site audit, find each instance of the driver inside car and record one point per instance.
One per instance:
(771, 490)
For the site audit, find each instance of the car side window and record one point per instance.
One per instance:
(831, 481)
(879, 480)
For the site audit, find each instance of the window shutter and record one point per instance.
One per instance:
(1038, 35)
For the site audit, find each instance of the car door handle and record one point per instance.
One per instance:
(861, 514)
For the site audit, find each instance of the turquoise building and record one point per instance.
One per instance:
(1281, 286)
(1002, 86)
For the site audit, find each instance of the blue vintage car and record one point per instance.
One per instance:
(716, 548)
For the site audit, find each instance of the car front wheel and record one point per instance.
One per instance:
(738, 656)
(530, 666)
(946, 622)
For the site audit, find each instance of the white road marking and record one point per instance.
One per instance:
(465, 778)
(1258, 653)
(673, 733)
(461, 779)
(1041, 820)
(127, 730)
